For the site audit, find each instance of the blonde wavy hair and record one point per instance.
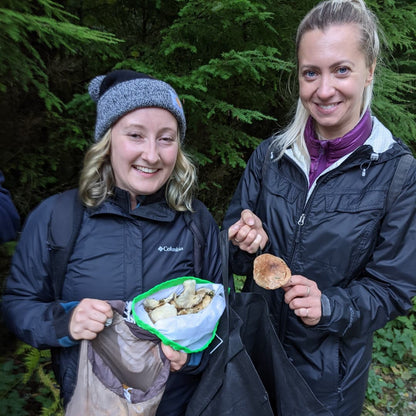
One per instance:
(325, 14)
(97, 180)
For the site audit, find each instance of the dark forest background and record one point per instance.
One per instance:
(232, 63)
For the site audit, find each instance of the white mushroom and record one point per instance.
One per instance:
(150, 303)
(185, 299)
(162, 312)
(198, 307)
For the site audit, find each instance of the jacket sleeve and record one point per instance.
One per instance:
(29, 306)
(9, 217)
(211, 264)
(388, 284)
(246, 197)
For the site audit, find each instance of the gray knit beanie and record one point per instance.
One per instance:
(122, 91)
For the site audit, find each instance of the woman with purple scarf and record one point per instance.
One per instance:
(326, 195)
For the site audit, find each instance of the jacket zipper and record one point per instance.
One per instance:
(300, 222)
(284, 310)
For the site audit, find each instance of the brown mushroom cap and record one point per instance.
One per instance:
(270, 272)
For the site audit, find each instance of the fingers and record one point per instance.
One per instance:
(251, 241)
(302, 312)
(249, 218)
(248, 233)
(177, 358)
(304, 298)
(234, 229)
(89, 318)
(300, 290)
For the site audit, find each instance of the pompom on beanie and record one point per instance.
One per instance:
(122, 91)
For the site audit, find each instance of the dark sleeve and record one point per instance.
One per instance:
(9, 217)
(29, 306)
(212, 257)
(388, 284)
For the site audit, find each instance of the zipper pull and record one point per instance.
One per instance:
(301, 221)
(365, 165)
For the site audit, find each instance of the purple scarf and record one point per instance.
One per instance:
(324, 153)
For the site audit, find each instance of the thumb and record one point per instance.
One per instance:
(248, 217)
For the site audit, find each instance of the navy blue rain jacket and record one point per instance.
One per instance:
(9, 217)
(339, 234)
(119, 253)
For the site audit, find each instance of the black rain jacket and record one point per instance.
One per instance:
(119, 253)
(340, 234)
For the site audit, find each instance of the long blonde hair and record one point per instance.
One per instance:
(97, 177)
(320, 17)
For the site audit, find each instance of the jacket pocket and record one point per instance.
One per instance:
(281, 187)
(356, 219)
(355, 202)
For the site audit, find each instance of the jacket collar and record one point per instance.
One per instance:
(152, 207)
(380, 141)
(324, 153)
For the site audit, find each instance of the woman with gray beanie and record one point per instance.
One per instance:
(136, 186)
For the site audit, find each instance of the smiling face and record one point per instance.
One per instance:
(144, 148)
(332, 77)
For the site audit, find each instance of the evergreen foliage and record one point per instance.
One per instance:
(232, 63)
(40, 46)
(25, 33)
(27, 384)
(394, 91)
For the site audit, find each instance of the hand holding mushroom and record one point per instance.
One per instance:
(301, 294)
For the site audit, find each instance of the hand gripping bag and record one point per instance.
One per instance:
(122, 372)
